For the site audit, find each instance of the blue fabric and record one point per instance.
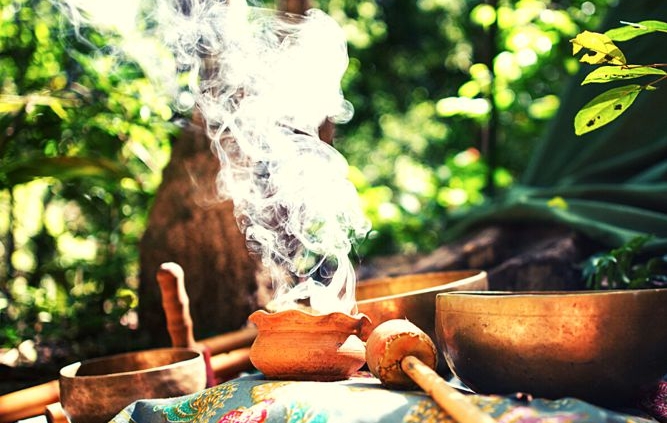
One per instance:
(361, 399)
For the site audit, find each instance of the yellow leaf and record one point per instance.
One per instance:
(58, 109)
(557, 202)
(11, 103)
(599, 49)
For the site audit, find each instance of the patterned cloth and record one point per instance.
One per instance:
(361, 399)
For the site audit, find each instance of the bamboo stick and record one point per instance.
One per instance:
(228, 365)
(28, 402)
(231, 340)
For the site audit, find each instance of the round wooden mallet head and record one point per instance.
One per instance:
(392, 341)
(402, 356)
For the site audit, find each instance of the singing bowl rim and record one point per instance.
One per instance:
(552, 294)
(455, 278)
(412, 296)
(541, 297)
(189, 357)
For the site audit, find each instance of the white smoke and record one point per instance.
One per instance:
(264, 82)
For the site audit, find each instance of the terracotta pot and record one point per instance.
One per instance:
(295, 345)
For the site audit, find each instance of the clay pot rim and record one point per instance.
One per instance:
(296, 313)
(69, 372)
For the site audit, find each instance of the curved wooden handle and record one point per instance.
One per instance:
(176, 305)
(457, 405)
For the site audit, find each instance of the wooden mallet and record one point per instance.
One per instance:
(225, 355)
(402, 356)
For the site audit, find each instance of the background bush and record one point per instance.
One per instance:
(450, 97)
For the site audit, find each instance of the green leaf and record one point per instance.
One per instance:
(600, 49)
(62, 168)
(615, 73)
(632, 30)
(605, 108)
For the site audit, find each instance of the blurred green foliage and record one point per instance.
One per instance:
(431, 82)
(84, 136)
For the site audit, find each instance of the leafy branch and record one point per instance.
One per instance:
(600, 49)
(619, 268)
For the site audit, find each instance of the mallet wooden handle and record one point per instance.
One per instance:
(176, 305)
(455, 403)
(402, 355)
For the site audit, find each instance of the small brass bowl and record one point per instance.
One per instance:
(605, 347)
(412, 296)
(94, 391)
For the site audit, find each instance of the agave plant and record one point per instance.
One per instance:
(611, 184)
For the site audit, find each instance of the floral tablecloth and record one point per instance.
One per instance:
(361, 399)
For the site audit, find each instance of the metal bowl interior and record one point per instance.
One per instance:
(413, 296)
(606, 347)
(95, 390)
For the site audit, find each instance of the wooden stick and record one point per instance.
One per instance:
(228, 365)
(229, 341)
(176, 305)
(449, 399)
(28, 402)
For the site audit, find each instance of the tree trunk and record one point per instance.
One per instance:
(189, 225)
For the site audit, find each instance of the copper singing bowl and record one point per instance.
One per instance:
(94, 391)
(605, 347)
(412, 296)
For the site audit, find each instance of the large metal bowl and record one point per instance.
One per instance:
(412, 296)
(605, 347)
(93, 391)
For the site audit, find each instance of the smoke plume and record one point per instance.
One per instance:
(264, 82)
